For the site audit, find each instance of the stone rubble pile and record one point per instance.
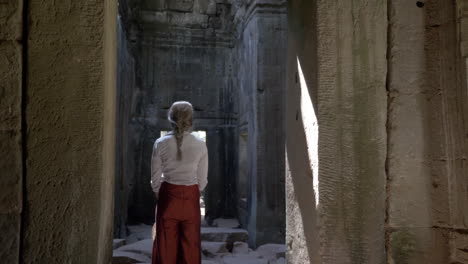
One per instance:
(224, 244)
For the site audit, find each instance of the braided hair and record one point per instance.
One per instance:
(180, 116)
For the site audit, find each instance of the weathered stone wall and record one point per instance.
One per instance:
(11, 154)
(428, 205)
(352, 68)
(260, 59)
(67, 214)
(246, 75)
(127, 93)
(347, 40)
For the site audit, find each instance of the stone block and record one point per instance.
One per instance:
(123, 257)
(116, 243)
(418, 245)
(271, 251)
(180, 5)
(459, 247)
(11, 14)
(10, 85)
(211, 9)
(190, 20)
(202, 6)
(158, 17)
(247, 259)
(212, 249)
(215, 22)
(228, 235)
(223, 9)
(10, 226)
(155, 4)
(240, 248)
(226, 222)
(11, 168)
(142, 247)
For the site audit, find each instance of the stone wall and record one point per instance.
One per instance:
(427, 187)
(11, 128)
(260, 59)
(347, 43)
(127, 93)
(392, 159)
(68, 202)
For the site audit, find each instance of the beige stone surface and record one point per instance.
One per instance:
(10, 85)
(10, 238)
(351, 78)
(11, 164)
(10, 127)
(66, 217)
(459, 247)
(11, 19)
(427, 139)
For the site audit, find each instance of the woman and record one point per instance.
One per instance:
(179, 167)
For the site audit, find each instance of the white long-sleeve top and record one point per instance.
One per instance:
(191, 169)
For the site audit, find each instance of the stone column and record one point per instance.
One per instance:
(427, 202)
(262, 58)
(70, 115)
(351, 96)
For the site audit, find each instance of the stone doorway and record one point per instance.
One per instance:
(220, 56)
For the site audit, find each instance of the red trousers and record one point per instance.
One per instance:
(177, 225)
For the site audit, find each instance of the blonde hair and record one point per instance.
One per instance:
(180, 115)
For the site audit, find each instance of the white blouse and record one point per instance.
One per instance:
(191, 169)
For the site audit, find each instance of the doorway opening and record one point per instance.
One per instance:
(221, 57)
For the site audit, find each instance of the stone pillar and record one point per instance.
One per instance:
(427, 202)
(341, 49)
(351, 77)
(11, 153)
(70, 139)
(215, 190)
(262, 81)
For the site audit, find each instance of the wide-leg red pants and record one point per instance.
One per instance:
(177, 225)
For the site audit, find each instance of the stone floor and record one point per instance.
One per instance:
(222, 243)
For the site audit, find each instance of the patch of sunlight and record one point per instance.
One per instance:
(309, 119)
(201, 134)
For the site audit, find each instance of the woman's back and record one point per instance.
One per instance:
(191, 169)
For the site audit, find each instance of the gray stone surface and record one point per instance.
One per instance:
(180, 5)
(142, 247)
(116, 243)
(227, 235)
(240, 248)
(212, 249)
(124, 257)
(226, 223)
(125, 160)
